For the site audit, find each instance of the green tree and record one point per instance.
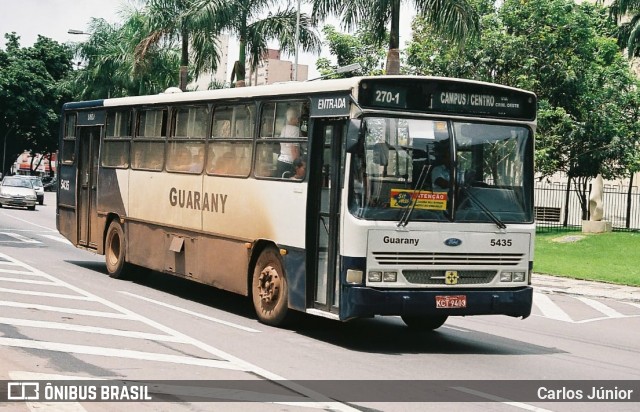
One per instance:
(242, 18)
(567, 55)
(454, 19)
(185, 22)
(31, 95)
(627, 14)
(111, 66)
(348, 49)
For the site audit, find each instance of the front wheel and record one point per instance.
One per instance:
(115, 247)
(270, 289)
(424, 322)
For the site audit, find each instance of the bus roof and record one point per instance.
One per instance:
(349, 85)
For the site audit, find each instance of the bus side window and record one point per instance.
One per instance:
(231, 140)
(148, 144)
(281, 140)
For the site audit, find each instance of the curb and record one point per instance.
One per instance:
(569, 286)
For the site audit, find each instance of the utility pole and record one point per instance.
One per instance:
(297, 40)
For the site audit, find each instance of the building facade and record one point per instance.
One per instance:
(271, 69)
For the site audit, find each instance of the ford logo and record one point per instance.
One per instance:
(453, 242)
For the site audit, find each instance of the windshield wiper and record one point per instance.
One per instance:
(408, 210)
(484, 208)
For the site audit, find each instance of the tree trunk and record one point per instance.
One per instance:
(629, 192)
(393, 56)
(184, 60)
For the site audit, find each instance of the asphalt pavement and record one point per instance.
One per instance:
(568, 286)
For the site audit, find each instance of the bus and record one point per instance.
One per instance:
(416, 198)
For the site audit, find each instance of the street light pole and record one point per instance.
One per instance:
(297, 40)
(74, 31)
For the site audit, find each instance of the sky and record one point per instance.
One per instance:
(53, 18)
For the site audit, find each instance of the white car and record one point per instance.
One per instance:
(38, 186)
(17, 191)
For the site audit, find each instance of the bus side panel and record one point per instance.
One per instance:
(67, 218)
(294, 265)
(112, 187)
(206, 259)
(224, 264)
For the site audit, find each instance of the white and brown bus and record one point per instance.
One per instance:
(416, 201)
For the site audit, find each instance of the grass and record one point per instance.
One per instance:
(607, 257)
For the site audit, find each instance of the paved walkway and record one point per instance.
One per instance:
(556, 284)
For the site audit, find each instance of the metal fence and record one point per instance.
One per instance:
(622, 210)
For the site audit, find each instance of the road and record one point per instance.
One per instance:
(62, 317)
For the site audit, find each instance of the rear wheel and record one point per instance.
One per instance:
(270, 289)
(424, 322)
(115, 247)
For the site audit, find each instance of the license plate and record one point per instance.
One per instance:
(451, 302)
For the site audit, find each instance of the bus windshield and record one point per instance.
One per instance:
(442, 170)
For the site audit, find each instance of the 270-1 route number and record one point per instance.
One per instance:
(500, 242)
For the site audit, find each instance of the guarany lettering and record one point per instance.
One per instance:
(193, 199)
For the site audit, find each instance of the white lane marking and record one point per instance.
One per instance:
(88, 329)
(196, 314)
(48, 406)
(550, 309)
(605, 318)
(57, 238)
(31, 223)
(29, 281)
(178, 390)
(18, 272)
(456, 329)
(322, 400)
(637, 305)
(47, 308)
(43, 294)
(4, 262)
(21, 238)
(117, 353)
(601, 307)
(494, 398)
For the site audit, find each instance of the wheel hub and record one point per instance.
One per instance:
(269, 284)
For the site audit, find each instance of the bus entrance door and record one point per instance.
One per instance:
(89, 139)
(328, 215)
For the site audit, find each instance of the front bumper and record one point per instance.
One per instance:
(361, 301)
(17, 202)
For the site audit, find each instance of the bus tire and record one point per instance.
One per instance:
(269, 288)
(424, 322)
(115, 251)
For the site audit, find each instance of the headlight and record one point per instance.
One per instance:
(519, 276)
(375, 276)
(506, 276)
(389, 277)
(354, 276)
(30, 197)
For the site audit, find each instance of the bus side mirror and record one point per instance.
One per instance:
(353, 135)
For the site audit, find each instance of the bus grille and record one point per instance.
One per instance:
(437, 277)
(449, 259)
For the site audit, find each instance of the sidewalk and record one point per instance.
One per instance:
(556, 284)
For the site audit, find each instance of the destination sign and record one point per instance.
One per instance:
(447, 97)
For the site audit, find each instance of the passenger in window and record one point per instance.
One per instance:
(289, 151)
(138, 159)
(197, 161)
(440, 177)
(300, 167)
(224, 165)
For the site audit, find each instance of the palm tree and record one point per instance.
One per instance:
(455, 19)
(110, 68)
(243, 18)
(180, 21)
(627, 14)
